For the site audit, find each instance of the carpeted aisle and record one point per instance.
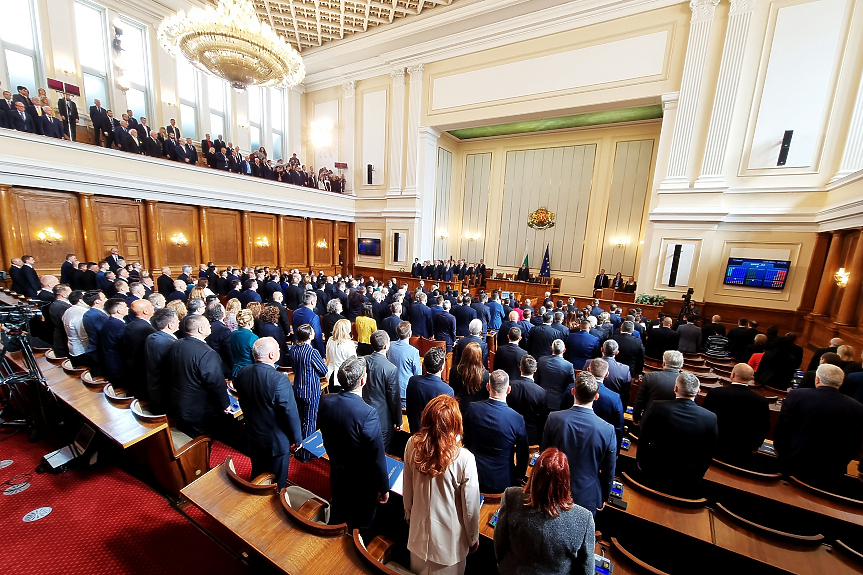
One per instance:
(103, 522)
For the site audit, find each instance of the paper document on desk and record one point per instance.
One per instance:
(767, 447)
(314, 444)
(395, 471)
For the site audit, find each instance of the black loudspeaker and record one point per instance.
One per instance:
(786, 145)
(396, 238)
(370, 174)
(675, 263)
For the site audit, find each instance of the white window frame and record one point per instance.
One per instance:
(108, 76)
(35, 53)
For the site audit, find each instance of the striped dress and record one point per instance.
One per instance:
(309, 367)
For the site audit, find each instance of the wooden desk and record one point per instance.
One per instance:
(261, 523)
(525, 289)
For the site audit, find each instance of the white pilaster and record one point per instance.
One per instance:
(852, 157)
(347, 142)
(726, 94)
(295, 124)
(690, 87)
(426, 173)
(414, 104)
(397, 124)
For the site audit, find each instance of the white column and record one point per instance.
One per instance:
(726, 94)
(426, 191)
(414, 104)
(852, 157)
(348, 120)
(396, 144)
(690, 88)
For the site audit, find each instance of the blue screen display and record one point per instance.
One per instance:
(770, 274)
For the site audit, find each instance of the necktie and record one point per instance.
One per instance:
(23, 117)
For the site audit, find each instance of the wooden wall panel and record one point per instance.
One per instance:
(295, 242)
(343, 230)
(35, 210)
(174, 219)
(119, 225)
(263, 226)
(224, 230)
(322, 230)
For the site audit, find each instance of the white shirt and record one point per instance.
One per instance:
(337, 353)
(73, 323)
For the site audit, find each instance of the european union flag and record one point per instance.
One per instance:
(545, 270)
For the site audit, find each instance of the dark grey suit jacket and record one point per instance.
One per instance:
(382, 392)
(656, 386)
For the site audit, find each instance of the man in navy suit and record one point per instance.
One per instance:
(67, 270)
(421, 317)
(608, 406)
(529, 400)
(483, 312)
(510, 322)
(29, 278)
(19, 119)
(93, 320)
(220, 337)
(819, 430)
(423, 388)
(156, 347)
(191, 152)
(444, 326)
(541, 337)
(630, 349)
(554, 374)
(352, 437)
(269, 412)
(250, 293)
(662, 339)
(111, 340)
(595, 310)
(463, 315)
(496, 311)
(493, 432)
(392, 321)
(588, 442)
(475, 328)
(138, 329)
(306, 314)
(50, 126)
(581, 346)
(509, 355)
(618, 378)
(658, 385)
(677, 441)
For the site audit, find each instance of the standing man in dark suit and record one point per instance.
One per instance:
(20, 120)
(658, 385)
(156, 353)
(494, 432)
(97, 117)
(630, 348)
(111, 340)
(607, 406)
(690, 335)
(165, 283)
(29, 278)
(352, 436)
(110, 129)
(554, 374)
(662, 339)
(173, 129)
(600, 281)
(819, 430)
(199, 393)
(619, 378)
(588, 442)
(421, 317)
(135, 337)
(463, 314)
(482, 312)
(475, 328)
(677, 441)
(423, 388)
(269, 412)
(16, 275)
(382, 390)
(713, 328)
(739, 339)
(444, 328)
(50, 126)
(581, 345)
(509, 355)
(114, 259)
(416, 268)
(67, 270)
(743, 416)
(130, 144)
(220, 337)
(152, 146)
(59, 340)
(191, 152)
(529, 400)
(69, 115)
(541, 338)
(816, 355)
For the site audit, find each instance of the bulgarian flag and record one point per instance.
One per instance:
(524, 263)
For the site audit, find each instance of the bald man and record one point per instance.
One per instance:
(134, 339)
(743, 416)
(16, 276)
(269, 412)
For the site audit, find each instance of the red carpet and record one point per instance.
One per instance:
(103, 522)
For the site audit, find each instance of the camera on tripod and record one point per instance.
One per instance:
(17, 317)
(686, 309)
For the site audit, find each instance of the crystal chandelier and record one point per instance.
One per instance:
(230, 42)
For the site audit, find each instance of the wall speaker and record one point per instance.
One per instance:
(786, 145)
(371, 169)
(675, 263)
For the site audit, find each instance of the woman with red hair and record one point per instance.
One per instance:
(441, 492)
(539, 529)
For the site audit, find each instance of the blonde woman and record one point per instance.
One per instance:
(339, 348)
(179, 307)
(232, 308)
(197, 293)
(242, 340)
(255, 307)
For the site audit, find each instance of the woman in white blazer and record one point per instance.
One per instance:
(441, 492)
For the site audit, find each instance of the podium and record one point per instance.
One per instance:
(604, 293)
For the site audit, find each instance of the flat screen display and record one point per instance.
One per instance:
(369, 247)
(770, 274)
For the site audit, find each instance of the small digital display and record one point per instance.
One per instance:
(369, 247)
(770, 274)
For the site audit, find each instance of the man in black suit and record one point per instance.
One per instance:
(22, 96)
(294, 293)
(191, 152)
(713, 328)
(16, 275)
(662, 339)
(677, 441)
(523, 274)
(199, 393)
(541, 338)
(423, 388)
(50, 126)
(630, 348)
(97, 117)
(482, 311)
(600, 281)
(59, 340)
(220, 336)
(421, 317)
(494, 432)
(7, 104)
(138, 329)
(20, 120)
(110, 128)
(509, 355)
(475, 328)
(157, 349)
(444, 326)
(743, 416)
(529, 399)
(658, 385)
(352, 437)
(739, 338)
(554, 374)
(29, 281)
(173, 129)
(416, 268)
(165, 283)
(819, 430)
(152, 146)
(382, 390)
(816, 356)
(463, 314)
(130, 144)
(269, 412)
(114, 259)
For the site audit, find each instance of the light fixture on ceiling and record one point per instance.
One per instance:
(841, 277)
(322, 243)
(263, 242)
(230, 42)
(619, 242)
(179, 239)
(48, 236)
(322, 133)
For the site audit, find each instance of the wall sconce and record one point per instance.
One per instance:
(841, 277)
(170, 104)
(619, 242)
(443, 234)
(48, 236)
(322, 243)
(263, 242)
(471, 237)
(322, 133)
(179, 239)
(65, 66)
